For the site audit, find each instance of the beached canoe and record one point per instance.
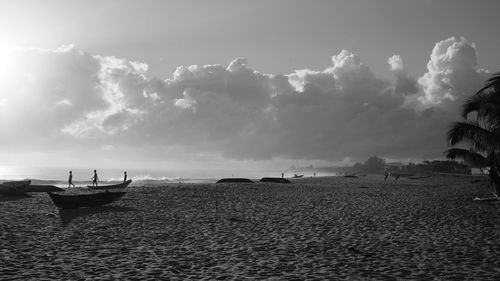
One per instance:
(111, 186)
(41, 188)
(15, 188)
(20, 183)
(85, 200)
(234, 180)
(12, 190)
(297, 176)
(278, 180)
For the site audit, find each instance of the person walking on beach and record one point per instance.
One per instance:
(70, 179)
(125, 176)
(95, 178)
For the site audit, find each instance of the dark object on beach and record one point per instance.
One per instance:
(297, 176)
(85, 200)
(231, 180)
(42, 188)
(278, 180)
(14, 188)
(119, 185)
(20, 183)
(351, 176)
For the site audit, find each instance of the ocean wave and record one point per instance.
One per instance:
(136, 180)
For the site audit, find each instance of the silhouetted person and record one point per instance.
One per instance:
(282, 175)
(70, 179)
(95, 178)
(124, 176)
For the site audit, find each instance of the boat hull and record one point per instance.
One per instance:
(113, 186)
(20, 183)
(42, 188)
(16, 188)
(85, 200)
(11, 190)
(276, 180)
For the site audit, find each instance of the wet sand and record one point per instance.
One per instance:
(316, 228)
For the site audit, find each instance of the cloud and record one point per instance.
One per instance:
(68, 91)
(452, 73)
(46, 89)
(68, 96)
(405, 84)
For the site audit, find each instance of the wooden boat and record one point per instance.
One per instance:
(41, 188)
(297, 176)
(12, 190)
(85, 200)
(20, 183)
(111, 186)
(15, 188)
(234, 180)
(278, 180)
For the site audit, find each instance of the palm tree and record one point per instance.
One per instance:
(482, 134)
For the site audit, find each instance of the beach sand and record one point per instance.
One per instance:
(315, 228)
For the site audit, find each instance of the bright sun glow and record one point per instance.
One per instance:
(5, 172)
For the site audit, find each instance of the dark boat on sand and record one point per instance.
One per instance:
(42, 188)
(85, 200)
(11, 190)
(119, 185)
(14, 188)
(278, 180)
(20, 183)
(234, 180)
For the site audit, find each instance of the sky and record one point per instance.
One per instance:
(234, 85)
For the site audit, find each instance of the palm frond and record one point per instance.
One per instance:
(493, 117)
(473, 133)
(485, 104)
(473, 103)
(491, 82)
(470, 157)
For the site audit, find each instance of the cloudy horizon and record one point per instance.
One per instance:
(75, 105)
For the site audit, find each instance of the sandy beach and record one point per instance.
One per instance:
(315, 228)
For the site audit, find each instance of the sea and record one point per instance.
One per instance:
(82, 176)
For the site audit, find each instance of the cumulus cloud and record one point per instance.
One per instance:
(235, 111)
(452, 73)
(405, 84)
